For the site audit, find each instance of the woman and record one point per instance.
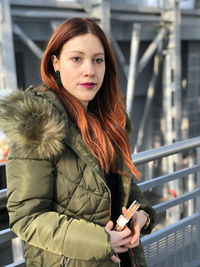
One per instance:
(70, 174)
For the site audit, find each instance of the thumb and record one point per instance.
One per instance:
(109, 226)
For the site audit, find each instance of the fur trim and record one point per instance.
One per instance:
(32, 124)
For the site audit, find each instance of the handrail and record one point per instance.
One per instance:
(153, 237)
(3, 198)
(6, 235)
(3, 192)
(168, 177)
(20, 263)
(176, 201)
(156, 153)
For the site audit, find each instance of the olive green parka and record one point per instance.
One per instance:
(58, 200)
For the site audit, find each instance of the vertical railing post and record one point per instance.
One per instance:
(190, 186)
(8, 79)
(198, 180)
(172, 96)
(17, 249)
(135, 41)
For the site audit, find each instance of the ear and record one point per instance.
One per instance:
(56, 63)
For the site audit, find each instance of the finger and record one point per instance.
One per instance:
(136, 235)
(125, 233)
(109, 226)
(124, 210)
(125, 241)
(121, 249)
(135, 244)
(115, 259)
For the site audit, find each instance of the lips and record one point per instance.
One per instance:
(88, 85)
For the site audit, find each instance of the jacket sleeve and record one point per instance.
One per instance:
(30, 182)
(136, 194)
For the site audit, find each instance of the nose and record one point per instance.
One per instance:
(89, 69)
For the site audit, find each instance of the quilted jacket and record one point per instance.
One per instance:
(58, 199)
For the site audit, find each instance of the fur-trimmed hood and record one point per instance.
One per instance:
(32, 123)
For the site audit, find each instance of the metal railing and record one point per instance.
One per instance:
(176, 245)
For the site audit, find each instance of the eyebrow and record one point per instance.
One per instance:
(75, 51)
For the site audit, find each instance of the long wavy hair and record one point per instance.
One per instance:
(103, 126)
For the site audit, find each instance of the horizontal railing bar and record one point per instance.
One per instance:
(3, 193)
(156, 153)
(20, 263)
(168, 177)
(176, 201)
(164, 232)
(3, 198)
(6, 235)
(135, 17)
(58, 14)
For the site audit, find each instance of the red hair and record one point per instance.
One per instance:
(103, 125)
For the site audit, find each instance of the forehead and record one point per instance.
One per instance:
(84, 43)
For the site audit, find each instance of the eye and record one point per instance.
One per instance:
(76, 59)
(99, 60)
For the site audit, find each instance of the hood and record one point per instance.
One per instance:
(32, 124)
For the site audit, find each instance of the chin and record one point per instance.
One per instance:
(88, 99)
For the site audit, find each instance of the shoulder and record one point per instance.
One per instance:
(46, 93)
(33, 121)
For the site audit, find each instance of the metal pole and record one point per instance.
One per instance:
(198, 180)
(190, 186)
(151, 50)
(149, 100)
(17, 249)
(105, 17)
(135, 41)
(172, 97)
(177, 76)
(34, 48)
(8, 71)
(120, 56)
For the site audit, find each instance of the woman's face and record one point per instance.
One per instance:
(82, 67)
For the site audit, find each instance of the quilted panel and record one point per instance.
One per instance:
(79, 192)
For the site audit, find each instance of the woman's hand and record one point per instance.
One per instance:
(138, 221)
(122, 241)
(119, 240)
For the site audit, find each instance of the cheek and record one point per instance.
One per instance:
(67, 74)
(102, 74)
